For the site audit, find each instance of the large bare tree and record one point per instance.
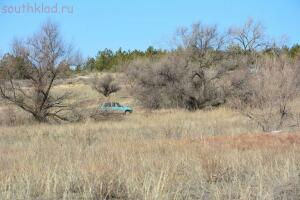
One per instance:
(250, 37)
(202, 43)
(202, 48)
(44, 55)
(191, 77)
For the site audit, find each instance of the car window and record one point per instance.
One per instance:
(113, 104)
(107, 105)
(117, 104)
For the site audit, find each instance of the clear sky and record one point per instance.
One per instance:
(136, 24)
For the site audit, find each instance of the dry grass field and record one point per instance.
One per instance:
(166, 154)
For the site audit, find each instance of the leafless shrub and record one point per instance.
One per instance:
(266, 92)
(45, 55)
(105, 85)
(191, 77)
(185, 78)
(174, 82)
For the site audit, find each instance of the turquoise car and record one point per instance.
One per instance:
(113, 107)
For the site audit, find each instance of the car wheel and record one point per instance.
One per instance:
(126, 112)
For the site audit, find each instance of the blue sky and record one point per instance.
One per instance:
(136, 24)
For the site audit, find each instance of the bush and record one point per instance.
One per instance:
(174, 82)
(105, 85)
(265, 92)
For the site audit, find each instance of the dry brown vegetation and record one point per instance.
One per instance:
(224, 149)
(168, 154)
(266, 94)
(164, 154)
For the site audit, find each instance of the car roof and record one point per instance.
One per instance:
(111, 102)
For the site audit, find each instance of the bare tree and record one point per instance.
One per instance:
(172, 81)
(265, 95)
(201, 43)
(190, 78)
(105, 85)
(250, 37)
(45, 54)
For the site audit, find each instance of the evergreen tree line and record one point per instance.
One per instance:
(109, 60)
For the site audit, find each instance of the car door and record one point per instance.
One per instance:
(114, 108)
(118, 108)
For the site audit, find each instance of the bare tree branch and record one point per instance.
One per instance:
(45, 53)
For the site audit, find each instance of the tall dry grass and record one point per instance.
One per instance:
(159, 155)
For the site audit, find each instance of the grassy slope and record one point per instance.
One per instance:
(167, 154)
